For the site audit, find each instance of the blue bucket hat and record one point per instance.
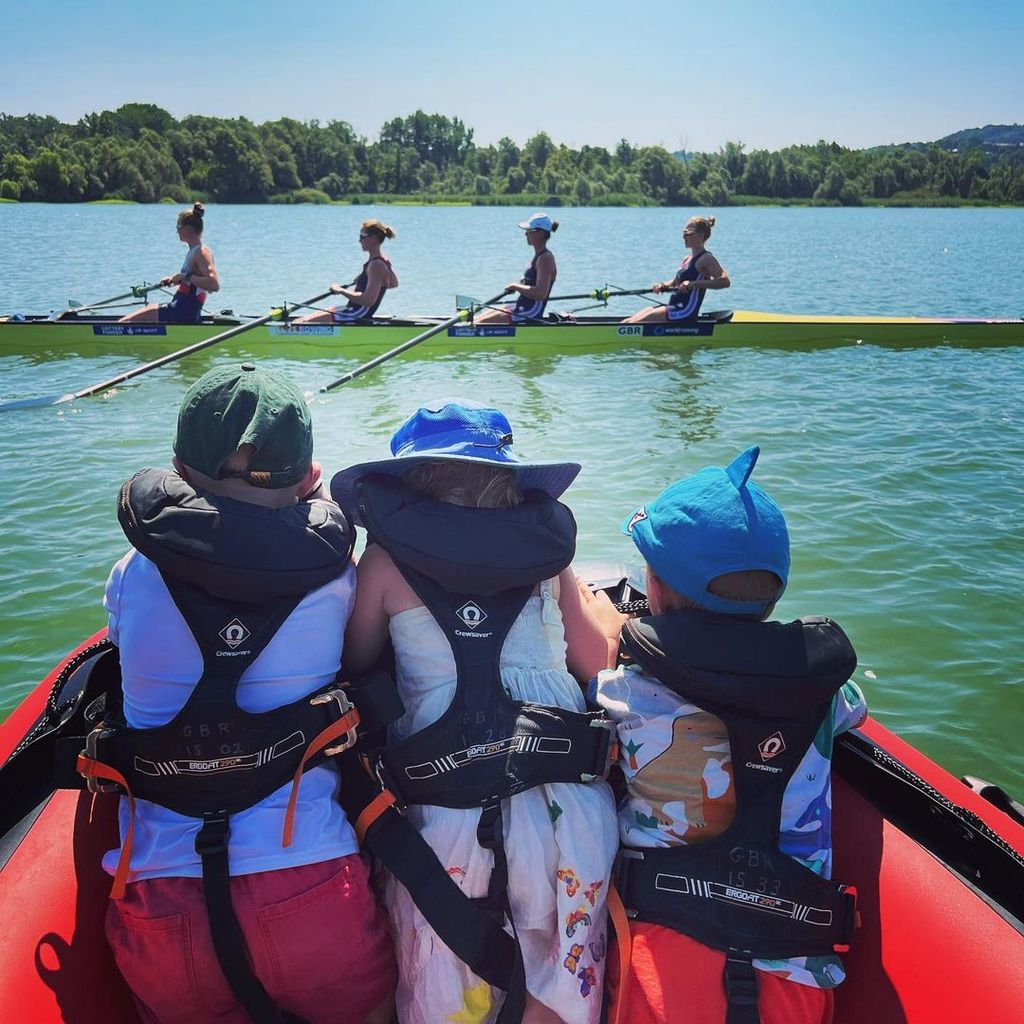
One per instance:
(709, 524)
(457, 431)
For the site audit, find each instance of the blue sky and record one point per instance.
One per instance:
(691, 75)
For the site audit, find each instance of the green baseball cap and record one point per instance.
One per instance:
(237, 405)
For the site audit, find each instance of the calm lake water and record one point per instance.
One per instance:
(899, 469)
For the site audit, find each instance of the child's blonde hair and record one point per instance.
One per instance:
(474, 485)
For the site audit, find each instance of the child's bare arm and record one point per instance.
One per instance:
(608, 618)
(587, 649)
(367, 629)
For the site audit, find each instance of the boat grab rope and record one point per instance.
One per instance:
(962, 814)
(55, 709)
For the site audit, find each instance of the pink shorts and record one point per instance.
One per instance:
(317, 940)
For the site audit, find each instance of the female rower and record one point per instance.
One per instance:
(366, 292)
(536, 283)
(196, 279)
(698, 272)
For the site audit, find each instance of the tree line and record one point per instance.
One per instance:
(141, 153)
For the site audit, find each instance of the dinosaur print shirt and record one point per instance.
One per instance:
(678, 771)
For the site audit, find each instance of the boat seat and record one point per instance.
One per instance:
(716, 316)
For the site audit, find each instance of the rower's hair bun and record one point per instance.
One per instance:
(554, 225)
(192, 218)
(380, 229)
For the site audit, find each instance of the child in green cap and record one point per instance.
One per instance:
(225, 613)
(725, 723)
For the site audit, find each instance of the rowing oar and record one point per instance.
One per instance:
(600, 294)
(274, 314)
(463, 314)
(138, 291)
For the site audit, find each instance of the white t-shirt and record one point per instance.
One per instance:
(160, 665)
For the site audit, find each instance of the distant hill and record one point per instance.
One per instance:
(993, 139)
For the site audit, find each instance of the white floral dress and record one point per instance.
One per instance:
(560, 840)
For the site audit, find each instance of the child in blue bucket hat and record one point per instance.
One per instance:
(717, 556)
(455, 459)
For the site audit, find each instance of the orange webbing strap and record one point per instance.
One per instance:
(347, 721)
(372, 811)
(90, 768)
(624, 945)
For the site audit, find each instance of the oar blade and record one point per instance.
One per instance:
(35, 403)
(29, 403)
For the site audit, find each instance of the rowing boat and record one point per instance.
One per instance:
(95, 335)
(939, 872)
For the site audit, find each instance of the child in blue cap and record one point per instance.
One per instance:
(725, 724)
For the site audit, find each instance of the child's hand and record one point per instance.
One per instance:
(600, 606)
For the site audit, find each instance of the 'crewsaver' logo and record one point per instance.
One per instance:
(234, 633)
(771, 746)
(471, 614)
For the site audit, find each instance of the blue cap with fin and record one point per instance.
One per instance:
(714, 522)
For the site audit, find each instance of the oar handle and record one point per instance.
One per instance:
(274, 314)
(463, 314)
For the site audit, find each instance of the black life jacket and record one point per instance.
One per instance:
(236, 571)
(474, 569)
(772, 685)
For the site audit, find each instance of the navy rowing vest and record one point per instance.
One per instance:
(772, 684)
(359, 285)
(236, 571)
(692, 299)
(474, 569)
(533, 307)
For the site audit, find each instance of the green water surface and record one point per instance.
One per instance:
(899, 470)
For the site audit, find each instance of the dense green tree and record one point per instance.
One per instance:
(141, 152)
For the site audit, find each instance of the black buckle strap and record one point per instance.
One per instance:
(603, 753)
(490, 835)
(226, 932)
(212, 838)
(741, 988)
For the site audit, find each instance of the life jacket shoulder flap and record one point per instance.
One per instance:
(741, 666)
(478, 551)
(232, 549)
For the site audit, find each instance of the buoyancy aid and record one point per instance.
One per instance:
(474, 569)
(235, 571)
(772, 685)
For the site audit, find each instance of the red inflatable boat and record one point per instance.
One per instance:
(939, 870)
